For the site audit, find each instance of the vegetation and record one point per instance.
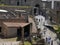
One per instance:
(15, 6)
(27, 43)
(2, 4)
(57, 29)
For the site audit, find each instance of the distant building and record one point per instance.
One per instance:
(20, 2)
(54, 4)
(33, 3)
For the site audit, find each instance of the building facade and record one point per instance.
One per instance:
(53, 4)
(20, 2)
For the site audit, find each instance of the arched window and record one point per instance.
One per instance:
(37, 5)
(25, 0)
(37, 9)
(18, 3)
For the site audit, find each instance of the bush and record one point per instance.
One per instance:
(58, 30)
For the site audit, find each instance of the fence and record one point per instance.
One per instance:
(11, 43)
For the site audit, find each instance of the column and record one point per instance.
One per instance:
(30, 32)
(52, 4)
(44, 5)
(23, 35)
(6, 32)
(30, 28)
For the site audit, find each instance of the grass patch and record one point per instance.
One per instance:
(3, 5)
(27, 43)
(57, 28)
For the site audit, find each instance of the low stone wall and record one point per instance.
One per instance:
(11, 43)
(27, 8)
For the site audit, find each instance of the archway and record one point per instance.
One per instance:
(37, 9)
(37, 5)
(18, 3)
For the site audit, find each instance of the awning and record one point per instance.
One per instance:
(12, 24)
(3, 10)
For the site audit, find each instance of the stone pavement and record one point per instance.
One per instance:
(34, 29)
(49, 33)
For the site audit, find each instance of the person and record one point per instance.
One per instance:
(48, 39)
(51, 42)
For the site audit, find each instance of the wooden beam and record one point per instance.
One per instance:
(30, 29)
(23, 35)
(30, 32)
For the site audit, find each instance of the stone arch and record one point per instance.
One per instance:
(37, 8)
(17, 3)
(37, 5)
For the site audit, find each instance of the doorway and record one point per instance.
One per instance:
(19, 34)
(27, 31)
(18, 3)
(37, 8)
(0, 29)
(37, 5)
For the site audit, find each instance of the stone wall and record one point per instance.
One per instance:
(12, 32)
(21, 2)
